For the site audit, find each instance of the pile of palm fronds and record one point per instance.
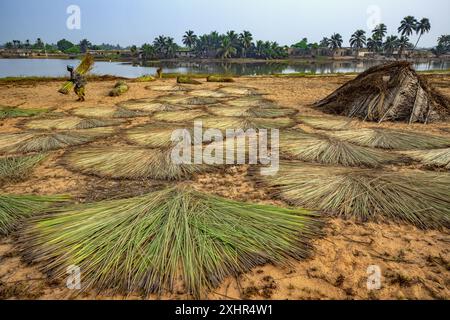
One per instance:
(13, 208)
(83, 68)
(238, 91)
(145, 78)
(120, 88)
(44, 141)
(168, 88)
(392, 91)
(179, 116)
(187, 80)
(227, 111)
(207, 93)
(234, 123)
(219, 79)
(415, 197)
(69, 123)
(391, 139)
(171, 239)
(325, 123)
(18, 168)
(130, 162)
(303, 146)
(156, 135)
(252, 101)
(183, 99)
(108, 112)
(15, 112)
(148, 105)
(439, 158)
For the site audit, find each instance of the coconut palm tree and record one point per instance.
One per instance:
(233, 36)
(171, 47)
(391, 44)
(358, 40)
(324, 43)
(407, 26)
(160, 45)
(336, 41)
(226, 50)
(379, 32)
(423, 26)
(189, 39)
(403, 43)
(246, 39)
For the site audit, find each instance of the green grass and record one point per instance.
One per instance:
(14, 208)
(415, 197)
(14, 112)
(18, 168)
(171, 239)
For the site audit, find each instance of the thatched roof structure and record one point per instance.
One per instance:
(392, 91)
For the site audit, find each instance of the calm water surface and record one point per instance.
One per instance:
(57, 67)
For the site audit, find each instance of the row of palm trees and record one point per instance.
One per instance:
(376, 43)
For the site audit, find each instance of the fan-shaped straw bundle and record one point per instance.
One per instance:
(179, 116)
(148, 105)
(15, 112)
(252, 101)
(45, 141)
(227, 111)
(391, 91)
(391, 139)
(155, 135)
(130, 162)
(166, 88)
(415, 197)
(69, 123)
(14, 208)
(208, 93)
(234, 123)
(238, 91)
(83, 68)
(171, 239)
(18, 168)
(186, 100)
(107, 112)
(326, 122)
(317, 148)
(438, 158)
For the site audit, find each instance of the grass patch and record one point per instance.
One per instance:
(18, 168)
(167, 240)
(14, 208)
(415, 197)
(14, 112)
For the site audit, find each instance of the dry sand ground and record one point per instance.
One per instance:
(415, 264)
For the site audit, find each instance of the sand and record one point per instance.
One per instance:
(415, 264)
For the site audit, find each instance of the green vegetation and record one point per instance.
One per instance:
(219, 79)
(168, 239)
(187, 80)
(18, 168)
(120, 88)
(15, 112)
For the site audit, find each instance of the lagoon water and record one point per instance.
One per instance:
(57, 67)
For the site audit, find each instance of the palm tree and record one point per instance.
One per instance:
(246, 39)
(379, 32)
(336, 41)
(423, 26)
(233, 36)
(324, 43)
(391, 44)
(226, 50)
(358, 40)
(148, 51)
(403, 43)
(407, 26)
(160, 45)
(189, 39)
(171, 47)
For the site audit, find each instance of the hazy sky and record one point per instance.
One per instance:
(285, 21)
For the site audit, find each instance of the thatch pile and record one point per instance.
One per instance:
(207, 93)
(238, 91)
(155, 135)
(415, 197)
(186, 100)
(69, 123)
(234, 123)
(325, 123)
(130, 162)
(145, 78)
(14, 208)
(167, 88)
(439, 158)
(119, 89)
(308, 147)
(391, 139)
(179, 116)
(174, 239)
(18, 168)
(45, 141)
(252, 101)
(108, 112)
(227, 111)
(215, 78)
(392, 91)
(187, 80)
(148, 105)
(15, 112)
